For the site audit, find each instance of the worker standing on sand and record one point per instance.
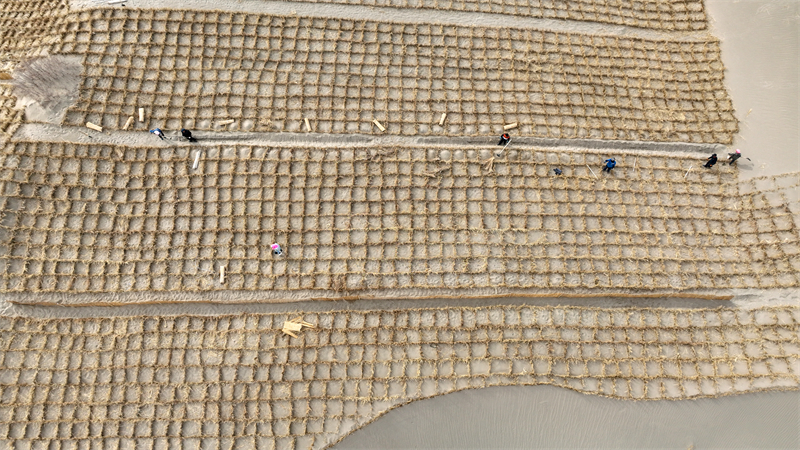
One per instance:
(158, 133)
(610, 164)
(711, 161)
(276, 249)
(557, 171)
(732, 157)
(188, 135)
(504, 139)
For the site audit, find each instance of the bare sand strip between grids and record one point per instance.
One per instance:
(694, 29)
(217, 381)
(388, 222)
(19, 301)
(45, 132)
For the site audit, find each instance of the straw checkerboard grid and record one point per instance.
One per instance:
(90, 218)
(269, 73)
(216, 382)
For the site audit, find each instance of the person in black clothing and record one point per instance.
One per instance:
(504, 139)
(732, 157)
(711, 161)
(188, 135)
(557, 171)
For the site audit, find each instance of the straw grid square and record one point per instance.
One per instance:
(238, 382)
(654, 14)
(269, 73)
(352, 221)
(24, 23)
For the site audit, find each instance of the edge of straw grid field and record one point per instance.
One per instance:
(240, 373)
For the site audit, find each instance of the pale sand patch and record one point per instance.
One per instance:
(760, 43)
(547, 417)
(47, 86)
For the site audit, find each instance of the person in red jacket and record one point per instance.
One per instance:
(504, 139)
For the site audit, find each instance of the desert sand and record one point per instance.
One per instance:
(168, 357)
(547, 417)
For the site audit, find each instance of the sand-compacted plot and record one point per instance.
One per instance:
(270, 73)
(239, 382)
(360, 222)
(681, 15)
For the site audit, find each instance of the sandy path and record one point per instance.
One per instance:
(383, 14)
(745, 299)
(82, 135)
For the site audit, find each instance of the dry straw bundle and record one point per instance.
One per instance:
(364, 221)
(196, 68)
(222, 382)
(24, 27)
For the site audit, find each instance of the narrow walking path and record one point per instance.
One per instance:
(402, 15)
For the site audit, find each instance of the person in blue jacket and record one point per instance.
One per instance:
(610, 163)
(158, 133)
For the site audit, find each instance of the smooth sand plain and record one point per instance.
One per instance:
(550, 417)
